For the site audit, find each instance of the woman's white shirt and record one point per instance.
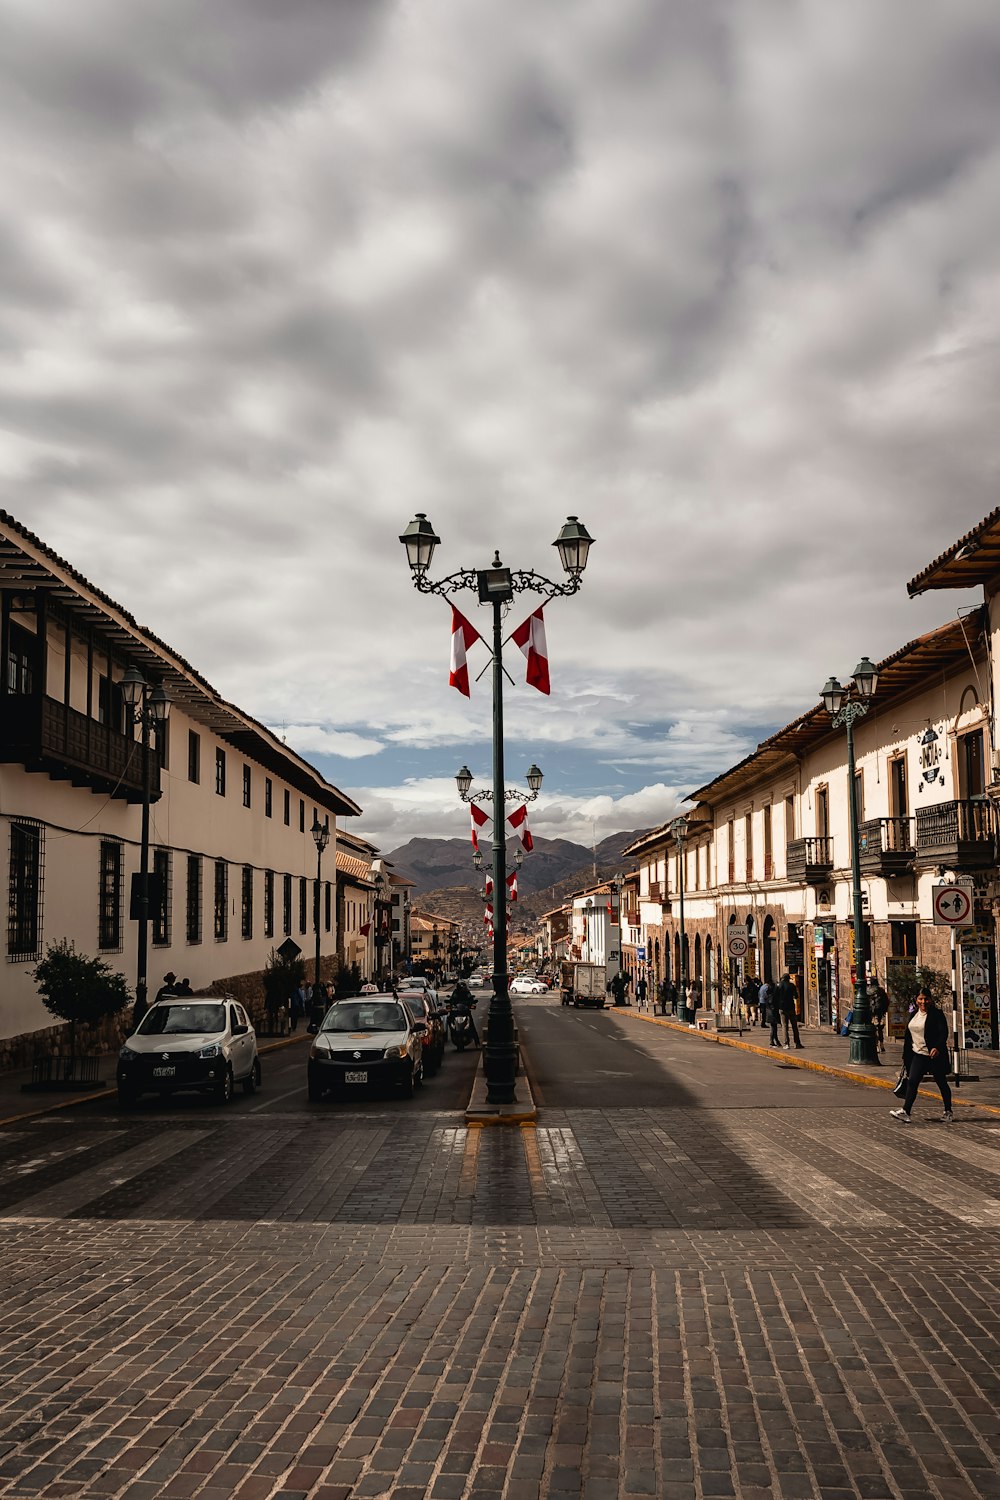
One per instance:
(916, 1028)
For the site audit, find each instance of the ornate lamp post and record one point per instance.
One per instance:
(149, 706)
(678, 829)
(381, 886)
(321, 837)
(496, 586)
(845, 704)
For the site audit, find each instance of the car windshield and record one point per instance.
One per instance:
(183, 1020)
(363, 1015)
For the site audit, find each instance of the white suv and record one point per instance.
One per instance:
(206, 1045)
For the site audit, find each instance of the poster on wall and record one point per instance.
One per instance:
(976, 995)
(899, 1011)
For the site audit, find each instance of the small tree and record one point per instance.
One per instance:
(348, 981)
(282, 977)
(76, 988)
(905, 983)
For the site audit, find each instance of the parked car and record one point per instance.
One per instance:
(526, 986)
(207, 1046)
(366, 1044)
(418, 982)
(431, 1025)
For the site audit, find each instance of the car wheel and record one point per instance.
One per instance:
(418, 1082)
(252, 1082)
(127, 1098)
(315, 1087)
(406, 1088)
(224, 1088)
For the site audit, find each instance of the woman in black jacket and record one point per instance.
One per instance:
(925, 1050)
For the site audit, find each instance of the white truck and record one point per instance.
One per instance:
(584, 984)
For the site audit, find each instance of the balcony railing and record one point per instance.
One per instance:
(962, 835)
(658, 891)
(810, 860)
(44, 735)
(885, 846)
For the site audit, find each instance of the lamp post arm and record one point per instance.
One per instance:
(521, 582)
(142, 937)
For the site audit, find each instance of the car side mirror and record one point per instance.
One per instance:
(239, 1030)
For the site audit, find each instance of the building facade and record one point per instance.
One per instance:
(231, 808)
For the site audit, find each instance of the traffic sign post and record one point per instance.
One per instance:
(737, 940)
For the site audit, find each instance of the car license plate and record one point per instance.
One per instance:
(164, 1072)
(356, 1076)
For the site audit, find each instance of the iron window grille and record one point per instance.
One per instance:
(221, 927)
(288, 807)
(220, 772)
(328, 916)
(246, 902)
(268, 796)
(286, 903)
(194, 756)
(194, 878)
(303, 903)
(160, 914)
(25, 890)
(109, 917)
(268, 903)
(246, 786)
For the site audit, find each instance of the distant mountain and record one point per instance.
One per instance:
(446, 881)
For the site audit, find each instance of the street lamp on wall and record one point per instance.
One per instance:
(678, 831)
(496, 586)
(149, 707)
(321, 837)
(844, 705)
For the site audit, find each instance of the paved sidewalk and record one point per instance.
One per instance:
(826, 1052)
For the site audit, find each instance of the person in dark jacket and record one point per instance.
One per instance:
(749, 994)
(925, 1050)
(786, 997)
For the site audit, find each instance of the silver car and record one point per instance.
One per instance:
(182, 1044)
(367, 1043)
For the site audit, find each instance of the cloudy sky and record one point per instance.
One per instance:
(721, 279)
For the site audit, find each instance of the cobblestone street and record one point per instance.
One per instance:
(795, 1298)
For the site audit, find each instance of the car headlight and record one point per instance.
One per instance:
(402, 1051)
(212, 1050)
(320, 1047)
(127, 1055)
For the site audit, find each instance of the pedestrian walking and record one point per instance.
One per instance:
(748, 994)
(640, 992)
(673, 997)
(787, 998)
(618, 989)
(925, 1050)
(300, 1003)
(880, 1009)
(768, 1002)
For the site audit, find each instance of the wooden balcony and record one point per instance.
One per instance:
(961, 835)
(885, 846)
(658, 891)
(810, 860)
(42, 734)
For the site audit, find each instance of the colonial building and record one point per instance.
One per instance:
(230, 807)
(767, 844)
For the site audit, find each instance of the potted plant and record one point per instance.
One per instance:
(76, 989)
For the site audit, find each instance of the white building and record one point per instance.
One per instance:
(231, 806)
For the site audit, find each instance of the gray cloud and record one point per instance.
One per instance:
(720, 280)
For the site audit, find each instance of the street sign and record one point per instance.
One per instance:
(737, 940)
(952, 905)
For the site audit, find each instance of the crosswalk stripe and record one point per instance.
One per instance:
(933, 1185)
(66, 1197)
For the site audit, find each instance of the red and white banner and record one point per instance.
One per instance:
(463, 635)
(518, 820)
(479, 819)
(530, 637)
(512, 886)
(488, 914)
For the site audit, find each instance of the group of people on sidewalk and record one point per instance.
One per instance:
(774, 1006)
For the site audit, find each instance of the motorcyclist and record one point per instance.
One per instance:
(461, 999)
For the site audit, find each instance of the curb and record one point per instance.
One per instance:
(805, 1063)
(479, 1115)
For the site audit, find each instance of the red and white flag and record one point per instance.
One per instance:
(488, 914)
(479, 818)
(463, 635)
(530, 637)
(518, 820)
(512, 886)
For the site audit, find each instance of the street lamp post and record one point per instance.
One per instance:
(149, 706)
(845, 704)
(321, 837)
(678, 829)
(381, 885)
(496, 586)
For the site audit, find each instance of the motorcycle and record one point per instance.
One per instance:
(460, 1028)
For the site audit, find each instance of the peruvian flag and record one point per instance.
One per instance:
(530, 637)
(518, 820)
(463, 635)
(512, 886)
(488, 914)
(479, 819)
(489, 885)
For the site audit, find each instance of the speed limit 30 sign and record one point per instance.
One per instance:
(737, 940)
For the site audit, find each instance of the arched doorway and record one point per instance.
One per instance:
(770, 953)
(711, 987)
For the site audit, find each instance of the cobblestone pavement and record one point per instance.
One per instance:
(685, 1302)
